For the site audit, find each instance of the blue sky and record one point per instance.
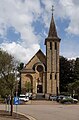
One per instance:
(24, 25)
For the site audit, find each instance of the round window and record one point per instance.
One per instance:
(39, 68)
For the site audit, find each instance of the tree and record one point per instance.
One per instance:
(65, 74)
(76, 69)
(69, 76)
(71, 88)
(20, 67)
(74, 88)
(7, 75)
(75, 84)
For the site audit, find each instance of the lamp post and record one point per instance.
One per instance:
(16, 98)
(16, 79)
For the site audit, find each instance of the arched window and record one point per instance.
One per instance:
(50, 45)
(50, 76)
(55, 45)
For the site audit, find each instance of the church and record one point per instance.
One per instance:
(41, 73)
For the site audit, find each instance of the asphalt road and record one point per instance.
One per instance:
(50, 112)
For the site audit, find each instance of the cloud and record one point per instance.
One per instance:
(22, 15)
(69, 9)
(20, 53)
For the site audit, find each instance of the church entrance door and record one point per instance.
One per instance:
(39, 89)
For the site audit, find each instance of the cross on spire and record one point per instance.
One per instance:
(52, 9)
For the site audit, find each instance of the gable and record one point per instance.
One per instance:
(39, 57)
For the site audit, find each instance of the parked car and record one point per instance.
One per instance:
(60, 97)
(53, 98)
(24, 98)
(29, 95)
(68, 99)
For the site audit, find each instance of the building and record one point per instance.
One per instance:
(41, 73)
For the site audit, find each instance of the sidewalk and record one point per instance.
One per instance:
(4, 115)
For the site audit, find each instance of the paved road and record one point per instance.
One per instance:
(50, 112)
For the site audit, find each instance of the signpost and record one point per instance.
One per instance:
(16, 100)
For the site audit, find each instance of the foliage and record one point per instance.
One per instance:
(76, 69)
(64, 74)
(73, 88)
(6, 72)
(20, 67)
(69, 76)
(7, 76)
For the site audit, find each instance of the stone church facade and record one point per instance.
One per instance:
(42, 71)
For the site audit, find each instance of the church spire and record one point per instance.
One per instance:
(52, 29)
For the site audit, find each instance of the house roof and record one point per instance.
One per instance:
(37, 54)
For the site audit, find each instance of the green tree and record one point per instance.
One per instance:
(20, 67)
(7, 76)
(66, 74)
(76, 69)
(73, 88)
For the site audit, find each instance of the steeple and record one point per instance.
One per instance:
(52, 34)
(52, 29)
(52, 43)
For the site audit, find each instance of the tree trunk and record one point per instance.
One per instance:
(11, 112)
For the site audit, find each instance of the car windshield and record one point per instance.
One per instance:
(22, 96)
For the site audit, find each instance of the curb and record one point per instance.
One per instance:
(30, 117)
(27, 116)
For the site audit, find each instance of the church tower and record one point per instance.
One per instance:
(52, 43)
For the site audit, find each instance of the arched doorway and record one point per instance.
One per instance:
(39, 89)
(40, 69)
(29, 83)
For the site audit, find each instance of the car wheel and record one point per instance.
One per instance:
(75, 102)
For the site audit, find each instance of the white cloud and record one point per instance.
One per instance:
(69, 9)
(21, 15)
(64, 9)
(20, 53)
(47, 12)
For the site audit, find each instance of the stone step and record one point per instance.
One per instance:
(40, 96)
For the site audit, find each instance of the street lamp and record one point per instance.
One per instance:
(16, 80)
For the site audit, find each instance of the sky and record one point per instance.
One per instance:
(24, 25)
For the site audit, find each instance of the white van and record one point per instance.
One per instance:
(24, 98)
